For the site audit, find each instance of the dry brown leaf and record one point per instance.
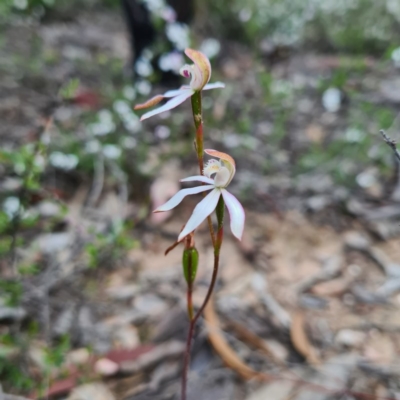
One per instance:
(222, 347)
(247, 336)
(300, 340)
(334, 287)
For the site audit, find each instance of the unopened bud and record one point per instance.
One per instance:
(190, 261)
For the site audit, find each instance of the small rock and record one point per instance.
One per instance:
(86, 325)
(54, 242)
(331, 100)
(390, 90)
(350, 337)
(127, 337)
(150, 305)
(12, 313)
(278, 350)
(380, 349)
(48, 209)
(78, 356)
(91, 391)
(313, 302)
(231, 70)
(274, 390)
(64, 321)
(124, 292)
(315, 133)
(317, 203)
(106, 367)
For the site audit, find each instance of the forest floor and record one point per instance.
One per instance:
(89, 305)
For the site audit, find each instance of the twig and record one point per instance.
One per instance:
(391, 143)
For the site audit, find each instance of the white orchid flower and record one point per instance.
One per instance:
(200, 74)
(223, 170)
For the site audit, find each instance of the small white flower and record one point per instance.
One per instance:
(331, 99)
(21, 4)
(143, 67)
(93, 146)
(171, 62)
(63, 161)
(223, 170)
(210, 47)
(11, 206)
(162, 131)
(178, 34)
(121, 107)
(105, 116)
(396, 57)
(129, 93)
(168, 14)
(143, 87)
(132, 122)
(111, 151)
(129, 142)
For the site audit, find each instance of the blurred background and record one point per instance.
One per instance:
(90, 308)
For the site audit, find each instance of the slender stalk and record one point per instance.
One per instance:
(186, 360)
(189, 293)
(193, 321)
(217, 248)
(210, 289)
(198, 123)
(217, 242)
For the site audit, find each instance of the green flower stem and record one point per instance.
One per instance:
(198, 123)
(192, 324)
(216, 241)
(220, 210)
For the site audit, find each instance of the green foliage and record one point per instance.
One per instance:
(13, 375)
(55, 356)
(112, 245)
(360, 26)
(10, 292)
(68, 91)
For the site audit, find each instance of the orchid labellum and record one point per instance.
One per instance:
(200, 74)
(217, 176)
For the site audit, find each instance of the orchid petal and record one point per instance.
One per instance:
(178, 197)
(236, 213)
(214, 85)
(199, 178)
(175, 101)
(201, 212)
(228, 161)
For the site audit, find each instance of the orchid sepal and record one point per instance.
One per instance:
(178, 197)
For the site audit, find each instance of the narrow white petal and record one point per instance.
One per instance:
(176, 92)
(175, 101)
(236, 213)
(201, 212)
(178, 197)
(199, 178)
(214, 85)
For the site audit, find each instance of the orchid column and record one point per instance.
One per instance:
(215, 176)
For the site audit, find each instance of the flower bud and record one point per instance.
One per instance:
(190, 261)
